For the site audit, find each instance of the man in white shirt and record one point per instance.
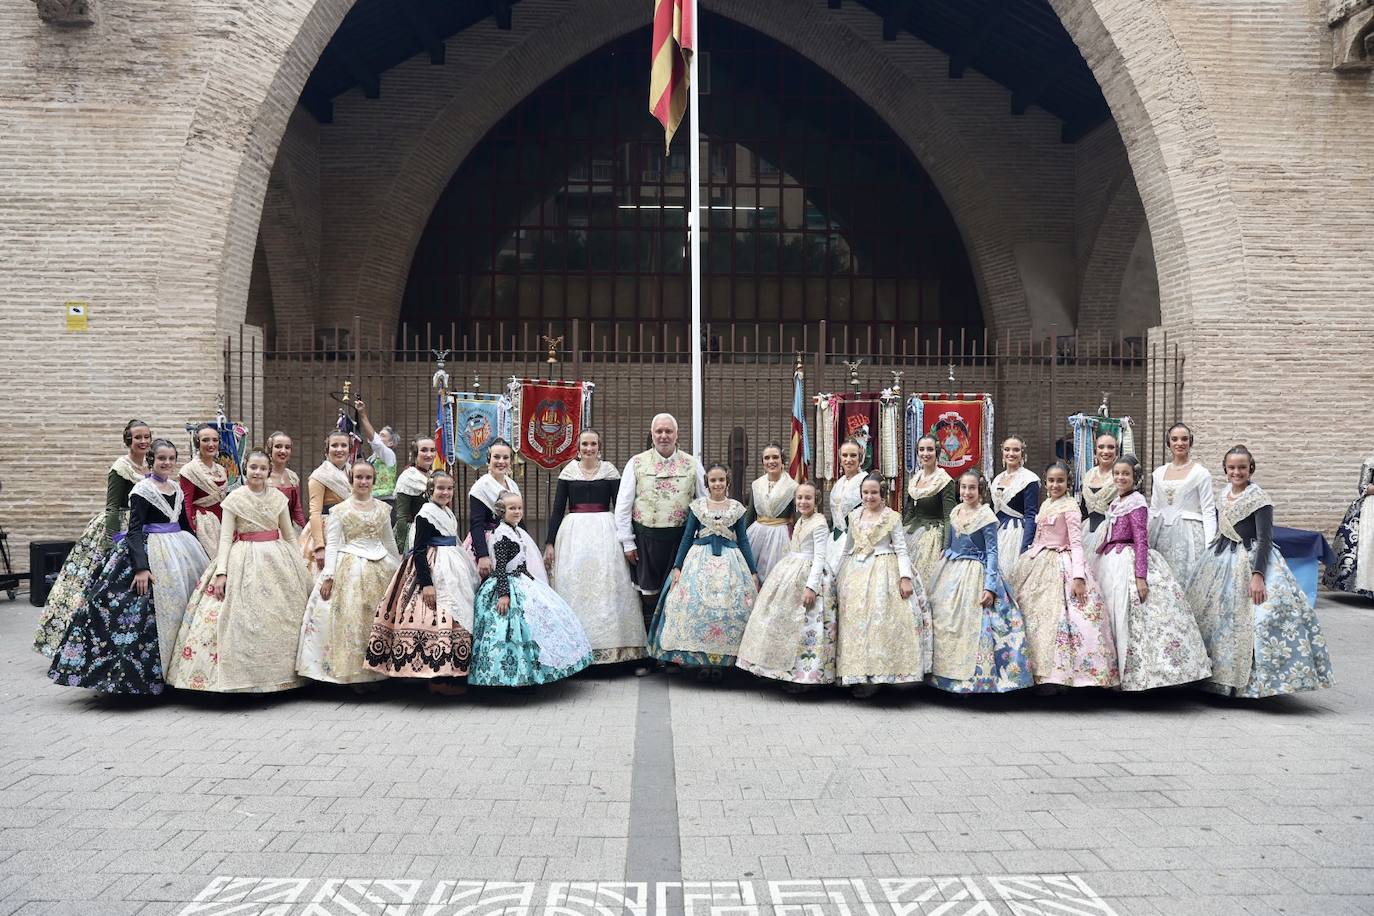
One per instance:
(656, 489)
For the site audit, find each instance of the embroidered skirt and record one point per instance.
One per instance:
(1068, 640)
(700, 621)
(785, 640)
(1157, 643)
(247, 641)
(1354, 569)
(537, 641)
(411, 639)
(883, 639)
(334, 633)
(591, 575)
(1257, 650)
(68, 593)
(977, 649)
(769, 545)
(1182, 544)
(1010, 534)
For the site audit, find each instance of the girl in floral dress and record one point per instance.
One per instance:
(482, 510)
(791, 636)
(241, 627)
(279, 447)
(523, 633)
(411, 486)
(1068, 635)
(92, 549)
(884, 623)
(980, 637)
(423, 625)
(121, 640)
(1157, 640)
(327, 487)
(1262, 635)
(360, 558)
(1015, 499)
(705, 606)
(844, 499)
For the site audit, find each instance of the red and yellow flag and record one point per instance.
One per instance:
(675, 33)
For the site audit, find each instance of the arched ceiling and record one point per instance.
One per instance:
(1020, 44)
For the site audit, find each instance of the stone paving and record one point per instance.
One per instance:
(680, 797)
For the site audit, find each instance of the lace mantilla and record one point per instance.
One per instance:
(1242, 507)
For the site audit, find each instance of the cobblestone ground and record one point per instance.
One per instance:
(679, 797)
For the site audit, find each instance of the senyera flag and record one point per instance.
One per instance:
(674, 41)
(801, 438)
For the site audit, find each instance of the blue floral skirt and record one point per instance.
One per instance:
(1261, 650)
(111, 644)
(700, 621)
(981, 650)
(68, 593)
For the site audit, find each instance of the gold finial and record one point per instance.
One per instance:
(476, 382)
(853, 372)
(896, 380)
(553, 343)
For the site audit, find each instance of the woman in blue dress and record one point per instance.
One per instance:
(523, 633)
(1261, 634)
(980, 638)
(711, 592)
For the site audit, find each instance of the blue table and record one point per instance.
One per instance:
(1303, 551)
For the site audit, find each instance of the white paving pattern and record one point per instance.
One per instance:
(1004, 895)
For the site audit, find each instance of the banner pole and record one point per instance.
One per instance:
(694, 229)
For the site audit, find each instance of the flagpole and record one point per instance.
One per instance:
(694, 222)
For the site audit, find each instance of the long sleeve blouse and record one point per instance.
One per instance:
(810, 541)
(930, 510)
(885, 536)
(117, 491)
(1023, 503)
(581, 496)
(141, 514)
(1060, 528)
(977, 540)
(1190, 499)
(427, 536)
(716, 537)
(1129, 527)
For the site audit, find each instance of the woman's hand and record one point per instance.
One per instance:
(905, 588)
(484, 567)
(319, 559)
(142, 582)
(808, 598)
(503, 605)
(326, 588)
(548, 556)
(988, 599)
(758, 583)
(1257, 592)
(1080, 589)
(1142, 588)
(427, 596)
(216, 588)
(677, 576)
(1369, 490)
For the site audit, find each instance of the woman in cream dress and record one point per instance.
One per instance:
(844, 499)
(359, 561)
(1015, 499)
(1183, 511)
(240, 631)
(770, 511)
(327, 487)
(790, 636)
(931, 496)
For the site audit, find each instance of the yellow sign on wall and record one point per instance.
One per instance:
(78, 313)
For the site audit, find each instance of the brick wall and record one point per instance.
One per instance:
(136, 158)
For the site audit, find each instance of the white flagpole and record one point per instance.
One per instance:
(694, 234)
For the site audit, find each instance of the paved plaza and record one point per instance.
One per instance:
(611, 794)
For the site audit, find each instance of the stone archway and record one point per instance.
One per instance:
(238, 124)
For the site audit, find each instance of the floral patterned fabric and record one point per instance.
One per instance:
(111, 644)
(785, 640)
(883, 639)
(977, 649)
(246, 642)
(68, 593)
(1182, 544)
(1068, 640)
(1257, 650)
(1158, 643)
(1354, 569)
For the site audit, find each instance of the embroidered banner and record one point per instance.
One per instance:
(962, 425)
(550, 421)
(1086, 428)
(476, 422)
(856, 417)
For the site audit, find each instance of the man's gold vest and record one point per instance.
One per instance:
(664, 488)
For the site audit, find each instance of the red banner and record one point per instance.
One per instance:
(856, 418)
(550, 422)
(958, 429)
